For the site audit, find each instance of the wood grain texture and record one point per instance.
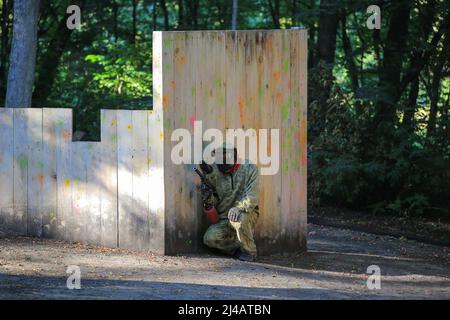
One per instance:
(125, 190)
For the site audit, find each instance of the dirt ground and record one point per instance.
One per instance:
(334, 268)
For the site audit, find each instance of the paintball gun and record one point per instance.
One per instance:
(208, 191)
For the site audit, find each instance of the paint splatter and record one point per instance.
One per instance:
(165, 101)
(192, 120)
(40, 164)
(285, 111)
(67, 135)
(40, 179)
(129, 127)
(173, 84)
(286, 64)
(161, 135)
(277, 75)
(241, 109)
(23, 161)
(66, 183)
(193, 91)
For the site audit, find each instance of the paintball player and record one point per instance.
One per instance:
(235, 189)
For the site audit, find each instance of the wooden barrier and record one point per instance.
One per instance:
(227, 79)
(125, 191)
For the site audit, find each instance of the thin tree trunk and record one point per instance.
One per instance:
(435, 86)
(134, 21)
(49, 62)
(166, 15)
(115, 9)
(6, 6)
(154, 13)
(23, 54)
(348, 50)
(391, 68)
(194, 7)
(274, 9)
(410, 110)
(181, 24)
(234, 15)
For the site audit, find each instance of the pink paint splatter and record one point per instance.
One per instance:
(192, 120)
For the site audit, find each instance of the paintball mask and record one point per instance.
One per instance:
(225, 158)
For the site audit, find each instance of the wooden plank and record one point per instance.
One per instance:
(156, 182)
(125, 177)
(287, 220)
(303, 84)
(75, 223)
(20, 171)
(6, 169)
(49, 176)
(91, 210)
(167, 106)
(185, 221)
(140, 212)
(35, 172)
(108, 178)
(191, 207)
(63, 140)
(156, 129)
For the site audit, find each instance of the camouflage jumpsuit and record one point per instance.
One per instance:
(239, 189)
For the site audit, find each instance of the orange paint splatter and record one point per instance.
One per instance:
(277, 75)
(279, 97)
(241, 109)
(165, 101)
(40, 179)
(67, 135)
(173, 84)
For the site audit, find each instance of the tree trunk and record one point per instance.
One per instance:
(328, 24)
(194, 7)
(116, 21)
(410, 110)
(435, 86)
(181, 23)
(134, 20)
(274, 9)
(234, 15)
(166, 15)
(49, 63)
(23, 54)
(391, 68)
(348, 50)
(4, 44)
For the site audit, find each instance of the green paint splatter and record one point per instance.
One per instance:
(168, 43)
(286, 66)
(285, 111)
(40, 164)
(60, 123)
(167, 67)
(114, 138)
(23, 161)
(261, 91)
(285, 164)
(90, 146)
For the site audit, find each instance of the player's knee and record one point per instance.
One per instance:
(210, 239)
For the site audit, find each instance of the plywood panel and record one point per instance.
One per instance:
(108, 178)
(125, 177)
(20, 171)
(6, 169)
(49, 176)
(156, 182)
(64, 181)
(91, 212)
(140, 212)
